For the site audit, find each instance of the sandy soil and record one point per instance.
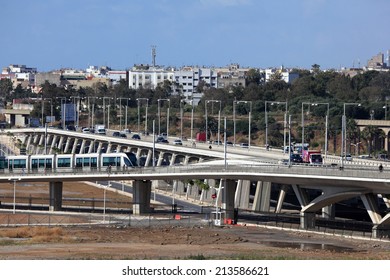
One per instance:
(172, 242)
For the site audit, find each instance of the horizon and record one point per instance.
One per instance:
(257, 34)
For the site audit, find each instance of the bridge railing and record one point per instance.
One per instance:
(257, 168)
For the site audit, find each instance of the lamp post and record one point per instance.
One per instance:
(146, 112)
(63, 111)
(181, 118)
(219, 116)
(284, 125)
(120, 111)
(14, 202)
(192, 120)
(344, 132)
(76, 109)
(159, 114)
(326, 123)
(249, 120)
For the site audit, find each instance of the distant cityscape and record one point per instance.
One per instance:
(184, 81)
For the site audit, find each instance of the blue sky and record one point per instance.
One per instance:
(50, 34)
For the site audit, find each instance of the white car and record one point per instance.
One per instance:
(178, 142)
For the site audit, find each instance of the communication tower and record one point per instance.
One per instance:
(154, 55)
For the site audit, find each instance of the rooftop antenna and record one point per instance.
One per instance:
(154, 55)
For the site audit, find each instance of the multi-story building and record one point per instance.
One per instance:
(232, 75)
(146, 76)
(285, 74)
(188, 80)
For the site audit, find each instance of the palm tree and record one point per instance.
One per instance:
(372, 134)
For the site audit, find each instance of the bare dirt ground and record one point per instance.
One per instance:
(173, 242)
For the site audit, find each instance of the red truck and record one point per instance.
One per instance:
(201, 137)
(312, 156)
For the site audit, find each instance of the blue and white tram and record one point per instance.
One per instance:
(34, 163)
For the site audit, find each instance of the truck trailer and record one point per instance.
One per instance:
(312, 156)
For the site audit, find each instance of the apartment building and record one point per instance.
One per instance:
(146, 76)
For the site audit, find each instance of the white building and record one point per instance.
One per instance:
(286, 75)
(148, 77)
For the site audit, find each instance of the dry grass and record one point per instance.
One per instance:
(35, 234)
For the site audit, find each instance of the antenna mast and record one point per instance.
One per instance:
(154, 55)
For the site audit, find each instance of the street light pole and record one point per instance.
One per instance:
(234, 123)
(344, 132)
(120, 111)
(326, 122)
(219, 116)
(159, 114)
(249, 119)
(146, 113)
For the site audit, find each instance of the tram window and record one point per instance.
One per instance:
(49, 163)
(113, 161)
(86, 161)
(3, 163)
(93, 161)
(63, 162)
(10, 164)
(41, 163)
(79, 162)
(19, 163)
(34, 163)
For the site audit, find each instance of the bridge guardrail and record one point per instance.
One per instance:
(322, 170)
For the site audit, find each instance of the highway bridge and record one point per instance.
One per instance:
(230, 173)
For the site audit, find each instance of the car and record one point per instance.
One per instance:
(244, 145)
(178, 142)
(161, 139)
(216, 142)
(86, 130)
(229, 143)
(122, 135)
(348, 157)
(116, 134)
(296, 158)
(136, 137)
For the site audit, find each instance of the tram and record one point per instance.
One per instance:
(67, 162)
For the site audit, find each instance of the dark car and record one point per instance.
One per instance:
(136, 137)
(116, 134)
(296, 158)
(161, 139)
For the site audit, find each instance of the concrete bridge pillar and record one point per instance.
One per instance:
(228, 194)
(53, 144)
(160, 158)
(75, 143)
(141, 197)
(329, 212)
(242, 194)
(148, 158)
(91, 147)
(28, 142)
(109, 147)
(99, 148)
(55, 194)
(67, 145)
(60, 143)
(41, 140)
(173, 159)
(82, 146)
(186, 160)
(282, 195)
(262, 197)
(307, 220)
